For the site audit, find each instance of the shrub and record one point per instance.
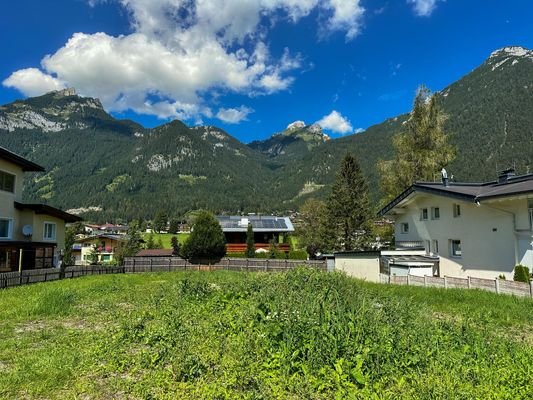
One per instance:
(298, 255)
(521, 273)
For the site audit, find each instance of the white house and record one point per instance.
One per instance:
(477, 229)
(31, 235)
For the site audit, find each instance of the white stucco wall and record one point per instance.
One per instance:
(361, 266)
(7, 199)
(487, 233)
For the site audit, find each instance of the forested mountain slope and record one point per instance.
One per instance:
(121, 169)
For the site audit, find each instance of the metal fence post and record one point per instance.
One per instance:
(445, 282)
(408, 279)
(530, 288)
(497, 284)
(469, 282)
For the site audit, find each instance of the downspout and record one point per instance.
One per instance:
(514, 226)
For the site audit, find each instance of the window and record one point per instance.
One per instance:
(49, 231)
(404, 227)
(424, 214)
(456, 248)
(435, 247)
(7, 182)
(44, 257)
(5, 228)
(435, 213)
(456, 210)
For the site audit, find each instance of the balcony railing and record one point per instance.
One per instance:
(410, 245)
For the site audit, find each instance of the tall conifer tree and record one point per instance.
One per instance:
(349, 209)
(250, 243)
(421, 151)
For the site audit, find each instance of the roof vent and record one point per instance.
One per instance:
(504, 175)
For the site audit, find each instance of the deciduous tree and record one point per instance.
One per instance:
(312, 231)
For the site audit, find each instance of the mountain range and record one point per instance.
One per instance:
(106, 169)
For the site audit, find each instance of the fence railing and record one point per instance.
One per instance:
(155, 264)
(10, 279)
(499, 286)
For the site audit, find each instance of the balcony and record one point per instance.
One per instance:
(410, 245)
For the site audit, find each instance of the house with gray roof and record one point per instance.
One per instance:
(266, 228)
(476, 229)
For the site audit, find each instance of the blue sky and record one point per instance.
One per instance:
(252, 67)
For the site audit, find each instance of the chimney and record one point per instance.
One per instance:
(444, 176)
(504, 175)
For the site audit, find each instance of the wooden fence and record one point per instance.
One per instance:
(9, 279)
(155, 264)
(499, 286)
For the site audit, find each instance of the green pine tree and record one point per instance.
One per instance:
(250, 243)
(173, 226)
(421, 151)
(206, 239)
(160, 222)
(175, 246)
(150, 243)
(349, 212)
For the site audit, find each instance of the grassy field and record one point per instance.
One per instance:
(166, 237)
(222, 335)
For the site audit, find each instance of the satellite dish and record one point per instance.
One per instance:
(27, 230)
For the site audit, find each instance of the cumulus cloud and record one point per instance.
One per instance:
(423, 8)
(182, 52)
(335, 122)
(347, 16)
(33, 82)
(233, 115)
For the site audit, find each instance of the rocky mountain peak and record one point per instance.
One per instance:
(513, 51)
(296, 125)
(64, 93)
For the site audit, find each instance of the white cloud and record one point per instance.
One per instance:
(347, 16)
(181, 52)
(423, 8)
(335, 122)
(233, 115)
(359, 130)
(33, 82)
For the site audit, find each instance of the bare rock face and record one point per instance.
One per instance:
(65, 93)
(296, 125)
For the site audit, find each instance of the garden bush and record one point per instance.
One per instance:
(521, 273)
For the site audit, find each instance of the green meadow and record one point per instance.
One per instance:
(223, 335)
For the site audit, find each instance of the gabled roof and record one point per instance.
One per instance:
(13, 158)
(48, 210)
(260, 223)
(155, 253)
(470, 192)
(118, 238)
